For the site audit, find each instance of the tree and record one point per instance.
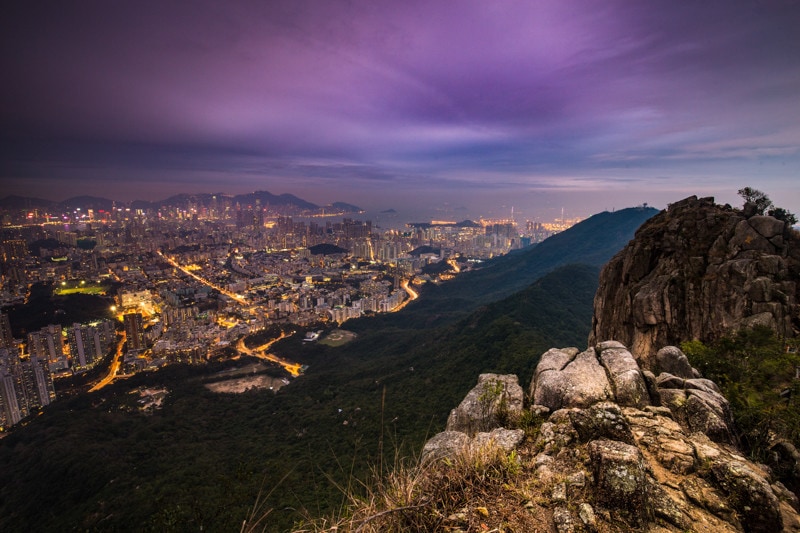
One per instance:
(755, 200)
(782, 214)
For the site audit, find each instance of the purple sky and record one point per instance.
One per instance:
(579, 104)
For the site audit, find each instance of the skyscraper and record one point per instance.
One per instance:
(134, 331)
(79, 348)
(6, 337)
(25, 386)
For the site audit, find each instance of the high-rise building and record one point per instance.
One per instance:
(41, 390)
(79, 348)
(10, 413)
(134, 331)
(6, 337)
(47, 343)
(25, 386)
(12, 390)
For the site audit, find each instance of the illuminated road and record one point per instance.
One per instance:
(412, 295)
(204, 281)
(453, 263)
(114, 369)
(260, 352)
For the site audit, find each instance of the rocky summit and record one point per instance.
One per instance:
(699, 270)
(615, 448)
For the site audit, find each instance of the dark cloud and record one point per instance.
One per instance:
(416, 96)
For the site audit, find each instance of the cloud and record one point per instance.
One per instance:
(414, 94)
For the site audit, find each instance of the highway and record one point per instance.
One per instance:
(114, 369)
(241, 299)
(261, 353)
(412, 295)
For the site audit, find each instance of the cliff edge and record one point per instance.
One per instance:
(699, 270)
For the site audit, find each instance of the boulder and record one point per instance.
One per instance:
(449, 444)
(491, 403)
(626, 379)
(750, 494)
(602, 420)
(580, 383)
(767, 226)
(444, 444)
(506, 440)
(672, 360)
(709, 413)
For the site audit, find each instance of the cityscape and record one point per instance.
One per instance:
(191, 283)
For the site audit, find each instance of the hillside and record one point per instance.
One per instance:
(97, 462)
(591, 242)
(591, 444)
(203, 459)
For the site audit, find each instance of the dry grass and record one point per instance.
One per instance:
(481, 491)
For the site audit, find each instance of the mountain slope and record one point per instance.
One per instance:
(592, 242)
(202, 460)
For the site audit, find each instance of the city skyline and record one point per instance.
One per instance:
(536, 105)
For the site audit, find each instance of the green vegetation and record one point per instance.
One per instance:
(756, 373)
(205, 457)
(80, 287)
(43, 308)
(760, 203)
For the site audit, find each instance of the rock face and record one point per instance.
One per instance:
(494, 398)
(621, 449)
(565, 378)
(698, 271)
(476, 422)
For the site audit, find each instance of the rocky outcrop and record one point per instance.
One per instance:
(566, 378)
(698, 271)
(494, 399)
(476, 423)
(621, 449)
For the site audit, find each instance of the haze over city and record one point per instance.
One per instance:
(538, 105)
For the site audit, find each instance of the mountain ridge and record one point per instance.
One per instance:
(264, 198)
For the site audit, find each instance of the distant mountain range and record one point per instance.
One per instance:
(262, 198)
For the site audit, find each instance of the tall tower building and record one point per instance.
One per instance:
(47, 343)
(6, 337)
(134, 331)
(76, 337)
(41, 390)
(12, 390)
(9, 413)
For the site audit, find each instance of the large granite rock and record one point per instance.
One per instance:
(565, 378)
(493, 401)
(569, 381)
(606, 458)
(626, 379)
(698, 271)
